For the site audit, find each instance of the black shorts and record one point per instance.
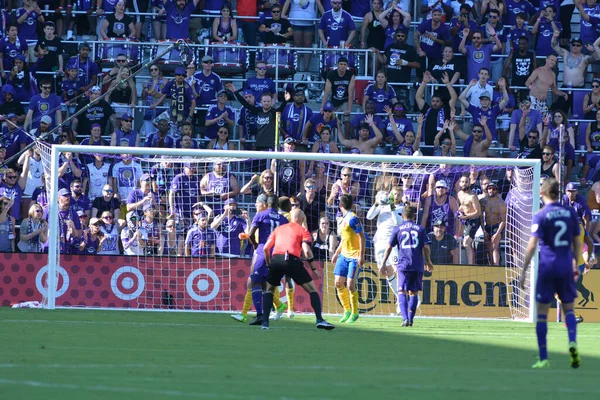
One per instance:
(491, 229)
(292, 268)
(471, 227)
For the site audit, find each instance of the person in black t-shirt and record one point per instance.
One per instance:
(276, 29)
(340, 84)
(529, 144)
(98, 112)
(10, 105)
(522, 62)
(450, 64)
(49, 51)
(117, 24)
(400, 59)
(435, 114)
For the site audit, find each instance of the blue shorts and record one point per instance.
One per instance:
(559, 281)
(410, 281)
(259, 270)
(347, 267)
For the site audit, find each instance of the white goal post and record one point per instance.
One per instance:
(404, 163)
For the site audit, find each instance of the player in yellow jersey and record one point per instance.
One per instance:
(348, 258)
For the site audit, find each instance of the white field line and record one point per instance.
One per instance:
(238, 326)
(389, 385)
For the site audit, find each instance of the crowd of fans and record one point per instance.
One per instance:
(487, 78)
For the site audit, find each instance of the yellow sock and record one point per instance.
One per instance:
(289, 292)
(354, 299)
(276, 300)
(344, 298)
(247, 301)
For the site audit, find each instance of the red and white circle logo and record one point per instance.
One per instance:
(62, 281)
(203, 285)
(127, 283)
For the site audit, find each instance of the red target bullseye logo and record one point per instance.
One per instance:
(203, 285)
(127, 283)
(62, 284)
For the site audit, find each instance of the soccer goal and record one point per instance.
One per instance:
(150, 269)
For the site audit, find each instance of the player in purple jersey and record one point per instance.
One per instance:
(264, 222)
(555, 228)
(413, 259)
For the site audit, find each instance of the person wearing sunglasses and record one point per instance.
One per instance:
(260, 184)
(34, 230)
(183, 101)
(218, 116)
(260, 83)
(110, 230)
(312, 129)
(95, 111)
(210, 83)
(276, 29)
(106, 202)
(591, 101)
(336, 26)
(550, 168)
(7, 226)
(46, 101)
(151, 90)
(228, 225)
(530, 145)
(532, 121)
(200, 240)
(12, 187)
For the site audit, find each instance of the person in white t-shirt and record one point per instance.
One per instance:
(98, 174)
(125, 175)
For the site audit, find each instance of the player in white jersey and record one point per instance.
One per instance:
(388, 210)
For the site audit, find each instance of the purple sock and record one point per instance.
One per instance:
(403, 305)
(257, 299)
(412, 307)
(541, 329)
(571, 325)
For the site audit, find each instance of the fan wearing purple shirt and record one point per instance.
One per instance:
(486, 109)
(179, 15)
(200, 240)
(413, 260)
(478, 55)
(543, 29)
(555, 228)
(430, 37)
(45, 103)
(336, 25)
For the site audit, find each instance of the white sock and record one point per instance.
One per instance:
(393, 285)
(69, 34)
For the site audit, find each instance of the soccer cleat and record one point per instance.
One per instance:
(277, 314)
(264, 326)
(239, 317)
(575, 358)
(352, 319)
(322, 324)
(347, 315)
(291, 314)
(579, 318)
(410, 323)
(541, 364)
(405, 323)
(257, 321)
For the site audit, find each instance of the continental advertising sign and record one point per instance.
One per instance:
(454, 291)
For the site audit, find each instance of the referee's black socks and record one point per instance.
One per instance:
(267, 304)
(315, 302)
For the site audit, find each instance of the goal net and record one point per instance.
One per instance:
(173, 242)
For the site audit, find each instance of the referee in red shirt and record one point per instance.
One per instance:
(288, 241)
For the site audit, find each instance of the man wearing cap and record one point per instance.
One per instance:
(45, 103)
(312, 130)
(87, 69)
(141, 196)
(153, 229)
(260, 83)
(179, 15)
(486, 109)
(44, 129)
(441, 206)
(336, 26)
(493, 220)
(79, 201)
(133, 237)
(575, 66)
(444, 248)
(11, 46)
(361, 119)
(12, 187)
(265, 117)
(160, 138)
(98, 112)
(363, 145)
(92, 238)
(210, 83)
(295, 116)
(125, 135)
(219, 115)
(228, 226)
(183, 193)
(183, 103)
(340, 84)
(532, 126)
(200, 239)
(572, 199)
(10, 105)
(68, 222)
(218, 186)
(70, 86)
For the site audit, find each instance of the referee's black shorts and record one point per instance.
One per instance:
(292, 268)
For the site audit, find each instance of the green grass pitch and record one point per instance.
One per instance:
(78, 354)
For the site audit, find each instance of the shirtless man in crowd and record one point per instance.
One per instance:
(541, 80)
(493, 219)
(363, 144)
(469, 213)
